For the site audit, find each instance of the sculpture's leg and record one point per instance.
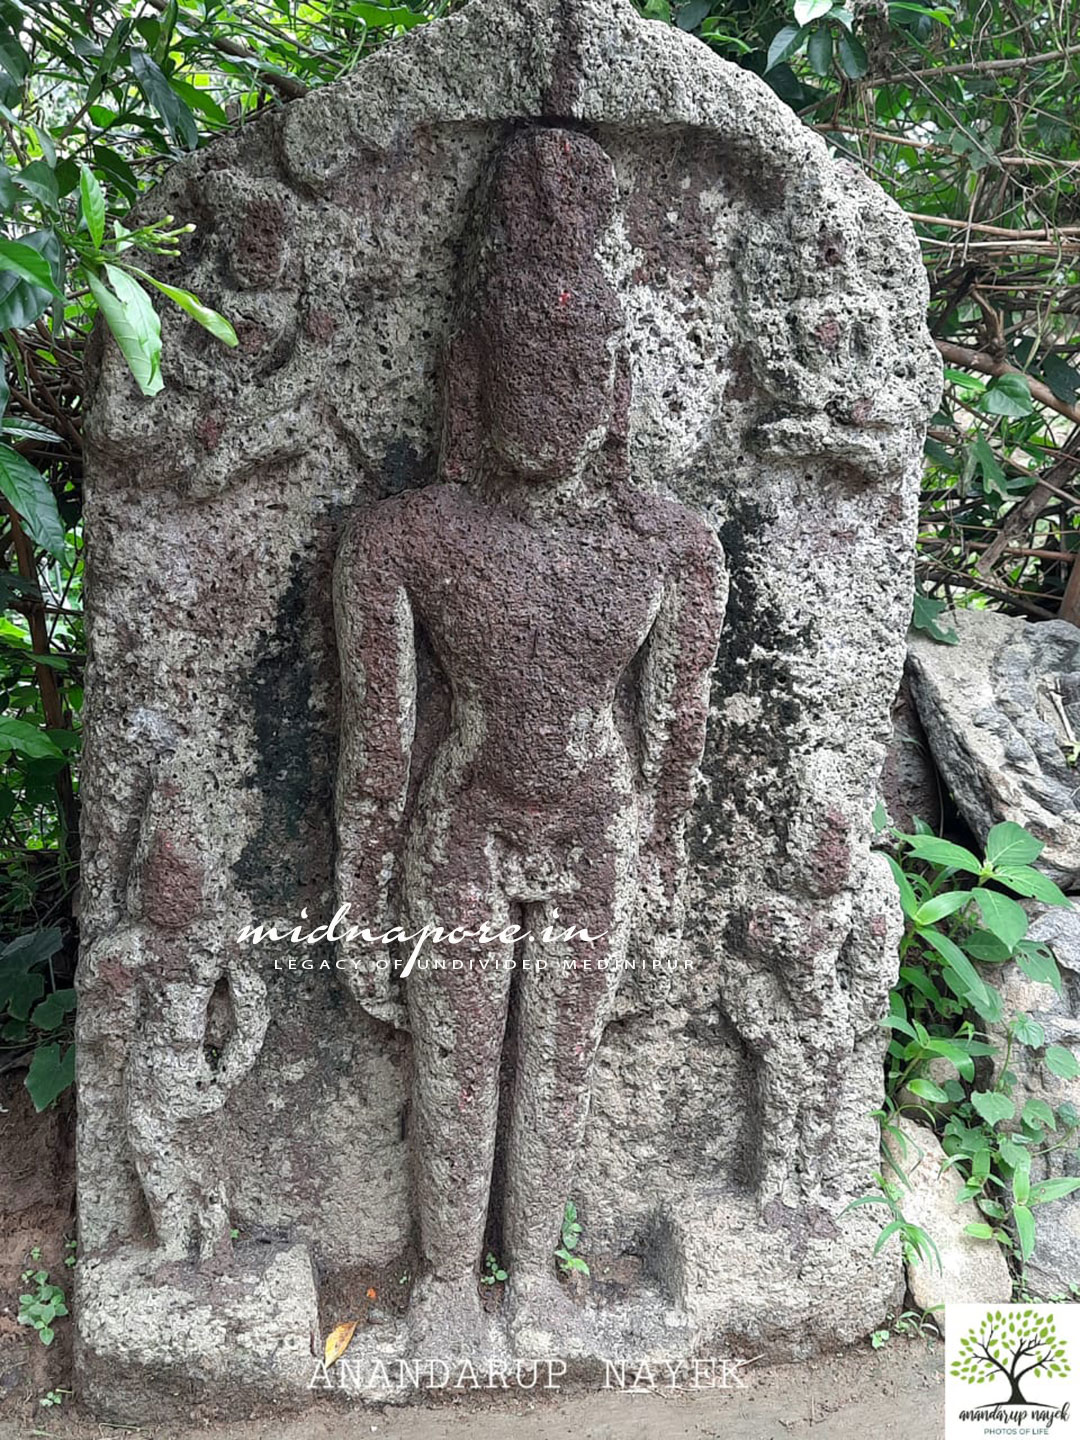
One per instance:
(458, 1018)
(563, 1008)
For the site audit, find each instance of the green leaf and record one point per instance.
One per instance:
(21, 302)
(957, 961)
(1038, 964)
(943, 852)
(1009, 395)
(955, 1052)
(807, 10)
(854, 61)
(927, 1090)
(1025, 1229)
(26, 739)
(131, 317)
(52, 1010)
(1021, 1183)
(1026, 881)
(924, 617)
(992, 473)
(28, 264)
(1029, 1032)
(29, 495)
(209, 319)
(1061, 1061)
(1063, 380)
(936, 908)
(19, 428)
(92, 204)
(1043, 1191)
(1002, 917)
(39, 180)
(980, 1230)
(1010, 844)
(1038, 1112)
(992, 1106)
(179, 120)
(909, 904)
(51, 1072)
(819, 51)
(982, 945)
(784, 44)
(692, 14)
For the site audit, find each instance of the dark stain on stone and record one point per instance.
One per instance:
(404, 468)
(747, 765)
(292, 769)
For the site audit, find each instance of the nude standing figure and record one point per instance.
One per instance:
(539, 576)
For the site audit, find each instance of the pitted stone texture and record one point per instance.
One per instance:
(1055, 1263)
(972, 1271)
(235, 1339)
(779, 373)
(909, 782)
(1002, 712)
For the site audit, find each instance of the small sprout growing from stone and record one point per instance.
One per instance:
(493, 1271)
(571, 1234)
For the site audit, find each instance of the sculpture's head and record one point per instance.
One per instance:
(545, 321)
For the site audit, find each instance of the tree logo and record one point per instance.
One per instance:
(1008, 1348)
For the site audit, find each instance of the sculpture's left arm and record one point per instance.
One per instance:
(674, 704)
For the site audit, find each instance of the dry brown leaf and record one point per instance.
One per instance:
(337, 1342)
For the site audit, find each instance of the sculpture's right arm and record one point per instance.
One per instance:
(374, 625)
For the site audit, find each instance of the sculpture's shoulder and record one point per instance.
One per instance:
(390, 527)
(679, 531)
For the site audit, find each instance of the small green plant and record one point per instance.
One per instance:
(960, 913)
(41, 1305)
(493, 1271)
(53, 1397)
(910, 1324)
(71, 1248)
(571, 1234)
(915, 1242)
(35, 1011)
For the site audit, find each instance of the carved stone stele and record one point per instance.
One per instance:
(730, 395)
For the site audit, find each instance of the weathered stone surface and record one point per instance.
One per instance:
(971, 1270)
(909, 780)
(769, 376)
(1054, 1265)
(1002, 712)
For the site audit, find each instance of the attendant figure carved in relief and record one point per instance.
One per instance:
(192, 1011)
(547, 587)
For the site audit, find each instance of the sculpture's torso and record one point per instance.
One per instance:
(533, 621)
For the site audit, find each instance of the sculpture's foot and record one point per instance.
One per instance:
(542, 1320)
(446, 1321)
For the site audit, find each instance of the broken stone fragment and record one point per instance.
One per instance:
(971, 1269)
(1001, 710)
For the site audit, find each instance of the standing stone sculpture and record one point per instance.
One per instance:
(538, 579)
(542, 311)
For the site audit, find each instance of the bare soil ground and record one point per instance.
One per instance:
(888, 1394)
